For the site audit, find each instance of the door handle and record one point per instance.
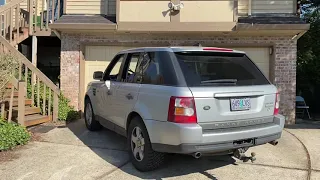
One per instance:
(109, 92)
(129, 96)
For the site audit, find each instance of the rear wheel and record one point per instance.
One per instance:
(89, 118)
(143, 157)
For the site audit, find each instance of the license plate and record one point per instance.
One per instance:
(240, 104)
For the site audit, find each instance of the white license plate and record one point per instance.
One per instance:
(240, 104)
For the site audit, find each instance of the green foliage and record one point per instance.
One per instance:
(8, 65)
(66, 112)
(308, 58)
(12, 134)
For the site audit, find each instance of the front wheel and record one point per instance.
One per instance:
(90, 119)
(141, 153)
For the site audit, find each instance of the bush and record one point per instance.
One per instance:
(8, 65)
(66, 112)
(12, 134)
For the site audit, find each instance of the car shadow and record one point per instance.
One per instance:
(105, 142)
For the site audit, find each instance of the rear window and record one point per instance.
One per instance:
(219, 69)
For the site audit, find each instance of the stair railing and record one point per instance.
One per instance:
(38, 80)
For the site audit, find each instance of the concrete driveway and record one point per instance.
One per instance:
(72, 152)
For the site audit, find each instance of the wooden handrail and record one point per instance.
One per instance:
(30, 66)
(10, 4)
(15, 82)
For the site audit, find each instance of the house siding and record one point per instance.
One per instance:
(283, 65)
(107, 7)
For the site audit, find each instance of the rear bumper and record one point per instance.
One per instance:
(189, 138)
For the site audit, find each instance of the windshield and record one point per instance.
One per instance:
(219, 69)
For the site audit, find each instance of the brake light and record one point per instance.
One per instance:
(182, 110)
(277, 104)
(217, 49)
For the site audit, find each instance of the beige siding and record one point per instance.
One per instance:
(207, 11)
(144, 11)
(107, 7)
(273, 6)
(243, 7)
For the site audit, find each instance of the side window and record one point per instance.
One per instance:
(130, 66)
(149, 70)
(113, 70)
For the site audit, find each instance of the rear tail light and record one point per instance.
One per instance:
(277, 104)
(182, 110)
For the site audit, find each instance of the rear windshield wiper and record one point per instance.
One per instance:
(231, 81)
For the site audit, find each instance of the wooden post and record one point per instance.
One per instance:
(11, 24)
(38, 92)
(30, 10)
(55, 107)
(11, 104)
(3, 103)
(17, 21)
(49, 104)
(44, 100)
(34, 58)
(34, 50)
(21, 102)
(249, 7)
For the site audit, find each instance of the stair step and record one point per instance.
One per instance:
(35, 119)
(15, 102)
(28, 110)
(15, 94)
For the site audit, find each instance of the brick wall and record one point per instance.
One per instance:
(283, 65)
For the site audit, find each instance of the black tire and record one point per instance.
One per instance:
(94, 125)
(152, 159)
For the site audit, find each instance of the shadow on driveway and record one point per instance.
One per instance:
(176, 165)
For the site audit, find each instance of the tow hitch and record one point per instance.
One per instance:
(240, 154)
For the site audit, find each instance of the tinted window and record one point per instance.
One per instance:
(217, 69)
(113, 69)
(155, 68)
(130, 67)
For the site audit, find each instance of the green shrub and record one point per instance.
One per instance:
(12, 134)
(66, 112)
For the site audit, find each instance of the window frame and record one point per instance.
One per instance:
(112, 64)
(127, 65)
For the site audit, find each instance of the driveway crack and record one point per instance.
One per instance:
(307, 152)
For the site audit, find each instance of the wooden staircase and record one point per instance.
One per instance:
(16, 25)
(32, 114)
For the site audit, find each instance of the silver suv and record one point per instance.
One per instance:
(187, 100)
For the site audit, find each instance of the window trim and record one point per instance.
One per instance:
(126, 64)
(110, 67)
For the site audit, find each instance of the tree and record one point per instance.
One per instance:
(308, 57)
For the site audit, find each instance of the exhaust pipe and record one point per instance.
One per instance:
(274, 142)
(197, 155)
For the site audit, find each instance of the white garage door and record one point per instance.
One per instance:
(97, 58)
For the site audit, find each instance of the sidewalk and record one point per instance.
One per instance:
(72, 152)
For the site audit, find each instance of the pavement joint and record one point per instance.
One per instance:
(96, 147)
(307, 152)
(266, 165)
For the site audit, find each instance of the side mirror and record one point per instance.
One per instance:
(97, 75)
